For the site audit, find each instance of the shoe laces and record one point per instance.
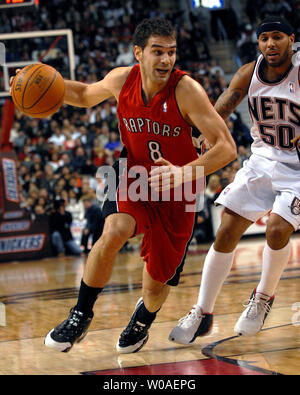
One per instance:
(134, 328)
(192, 317)
(75, 318)
(73, 323)
(256, 306)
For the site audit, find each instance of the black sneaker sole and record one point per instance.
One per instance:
(51, 343)
(128, 349)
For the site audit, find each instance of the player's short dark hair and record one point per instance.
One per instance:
(152, 27)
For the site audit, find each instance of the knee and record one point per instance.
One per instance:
(117, 230)
(56, 237)
(153, 289)
(152, 292)
(226, 239)
(277, 234)
(114, 237)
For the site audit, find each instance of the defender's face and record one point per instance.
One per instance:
(275, 47)
(158, 58)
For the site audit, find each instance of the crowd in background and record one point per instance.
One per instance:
(58, 158)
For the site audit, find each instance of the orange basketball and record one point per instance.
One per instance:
(38, 90)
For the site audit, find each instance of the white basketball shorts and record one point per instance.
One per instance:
(262, 185)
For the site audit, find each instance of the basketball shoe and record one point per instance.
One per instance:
(194, 324)
(135, 335)
(253, 317)
(71, 331)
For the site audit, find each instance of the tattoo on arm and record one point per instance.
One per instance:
(227, 102)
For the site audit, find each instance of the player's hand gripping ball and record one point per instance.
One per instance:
(38, 90)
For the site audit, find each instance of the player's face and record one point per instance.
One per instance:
(158, 58)
(275, 47)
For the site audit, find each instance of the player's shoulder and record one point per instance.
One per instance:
(187, 85)
(117, 76)
(247, 69)
(244, 74)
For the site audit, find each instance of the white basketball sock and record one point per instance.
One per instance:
(216, 267)
(273, 264)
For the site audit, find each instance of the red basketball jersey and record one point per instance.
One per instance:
(149, 131)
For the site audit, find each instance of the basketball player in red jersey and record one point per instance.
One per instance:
(157, 106)
(269, 180)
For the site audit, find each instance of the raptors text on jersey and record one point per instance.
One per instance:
(155, 129)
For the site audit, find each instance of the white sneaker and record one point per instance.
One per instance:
(253, 317)
(194, 324)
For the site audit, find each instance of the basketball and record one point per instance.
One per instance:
(38, 90)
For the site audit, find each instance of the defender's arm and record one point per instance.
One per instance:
(235, 93)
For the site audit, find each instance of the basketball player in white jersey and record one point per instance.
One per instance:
(269, 180)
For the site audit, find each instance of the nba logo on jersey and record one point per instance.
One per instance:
(292, 87)
(165, 107)
(226, 190)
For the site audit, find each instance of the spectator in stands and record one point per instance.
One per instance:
(58, 138)
(275, 7)
(94, 225)
(225, 176)
(54, 162)
(248, 33)
(75, 206)
(79, 159)
(114, 142)
(28, 204)
(42, 147)
(39, 210)
(19, 141)
(74, 186)
(98, 156)
(50, 179)
(60, 222)
(202, 229)
(243, 154)
(89, 168)
(213, 188)
(248, 50)
(215, 69)
(69, 142)
(125, 58)
(103, 135)
(86, 137)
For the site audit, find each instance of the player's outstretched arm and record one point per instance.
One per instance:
(235, 93)
(79, 94)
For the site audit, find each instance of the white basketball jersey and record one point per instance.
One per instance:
(275, 112)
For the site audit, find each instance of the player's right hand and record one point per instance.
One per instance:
(165, 176)
(12, 79)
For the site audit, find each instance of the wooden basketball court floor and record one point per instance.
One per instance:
(38, 295)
